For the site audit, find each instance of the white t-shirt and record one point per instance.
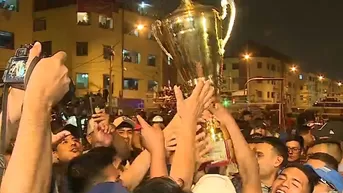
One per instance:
(214, 183)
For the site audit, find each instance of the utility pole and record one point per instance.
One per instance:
(112, 53)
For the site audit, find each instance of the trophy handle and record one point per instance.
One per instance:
(224, 14)
(157, 32)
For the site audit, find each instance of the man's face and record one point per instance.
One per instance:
(322, 188)
(294, 151)
(125, 133)
(291, 180)
(69, 148)
(261, 131)
(268, 160)
(247, 117)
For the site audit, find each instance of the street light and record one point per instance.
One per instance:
(320, 77)
(293, 69)
(140, 27)
(247, 56)
(339, 84)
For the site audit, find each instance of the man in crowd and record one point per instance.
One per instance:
(271, 156)
(124, 127)
(332, 148)
(295, 178)
(295, 146)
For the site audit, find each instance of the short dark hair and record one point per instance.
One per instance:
(256, 136)
(159, 185)
(311, 175)
(329, 160)
(303, 129)
(333, 146)
(279, 147)
(296, 138)
(258, 124)
(87, 168)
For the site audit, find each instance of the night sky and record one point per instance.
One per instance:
(310, 31)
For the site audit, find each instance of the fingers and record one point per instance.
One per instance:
(198, 88)
(142, 122)
(60, 56)
(205, 90)
(178, 94)
(34, 52)
(59, 136)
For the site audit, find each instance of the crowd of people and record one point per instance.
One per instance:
(132, 154)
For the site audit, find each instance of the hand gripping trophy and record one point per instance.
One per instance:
(194, 36)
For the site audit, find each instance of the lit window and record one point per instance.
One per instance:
(151, 60)
(83, 18)
(300, 76)
(152, 86)
(134, 33)
(10, 5)
(131, 56)
(169, 60)
(130, 84)
(105, 22)
(82, 80)
(6, 40)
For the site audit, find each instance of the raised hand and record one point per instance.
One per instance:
(200, 99)
(55, 139)
(103, 119)
(153, 137)
(49, 81)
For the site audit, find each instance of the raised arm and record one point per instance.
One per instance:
(48, 84)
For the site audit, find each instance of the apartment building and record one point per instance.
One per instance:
(86, 37)
(15, 28)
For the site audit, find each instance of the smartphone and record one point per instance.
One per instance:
(96, 105)
(16, 66)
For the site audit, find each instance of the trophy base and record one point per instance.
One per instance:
(220, 154)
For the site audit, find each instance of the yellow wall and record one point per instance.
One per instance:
(63, 31)
(20, 23)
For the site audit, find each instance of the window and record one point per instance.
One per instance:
(259, 64)
(1, 75)
(300, 76)
(152, 86)
(134, 33)
(301, 97)
(81, 48)
(268, 94)
(273, 94)
(301, 88)
(235, 80)
(273, 67)
(268, 66)
(151, 60)
(224, 66)
(151, 36)
(47, 48)
(6, 40)
(107, 52)
(10, 5)
(131, 56)
(82, 80)
(39, 24)
(259, 94)
(83, 18)
(235, 66)
(130, 84)
(105, 22)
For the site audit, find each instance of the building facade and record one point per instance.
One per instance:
(15, 28)
(87, 38)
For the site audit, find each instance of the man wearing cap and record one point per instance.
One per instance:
(330, 180)
(158, 121)
(124, 127)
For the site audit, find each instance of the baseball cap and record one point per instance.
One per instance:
(157, 119)
(330, 177)
(123, 119)
(214, 183)
(108, 187)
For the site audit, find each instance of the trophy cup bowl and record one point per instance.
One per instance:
(194, 36)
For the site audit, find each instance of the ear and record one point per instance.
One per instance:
(278, 161)
(89, 139)
(55, 158)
